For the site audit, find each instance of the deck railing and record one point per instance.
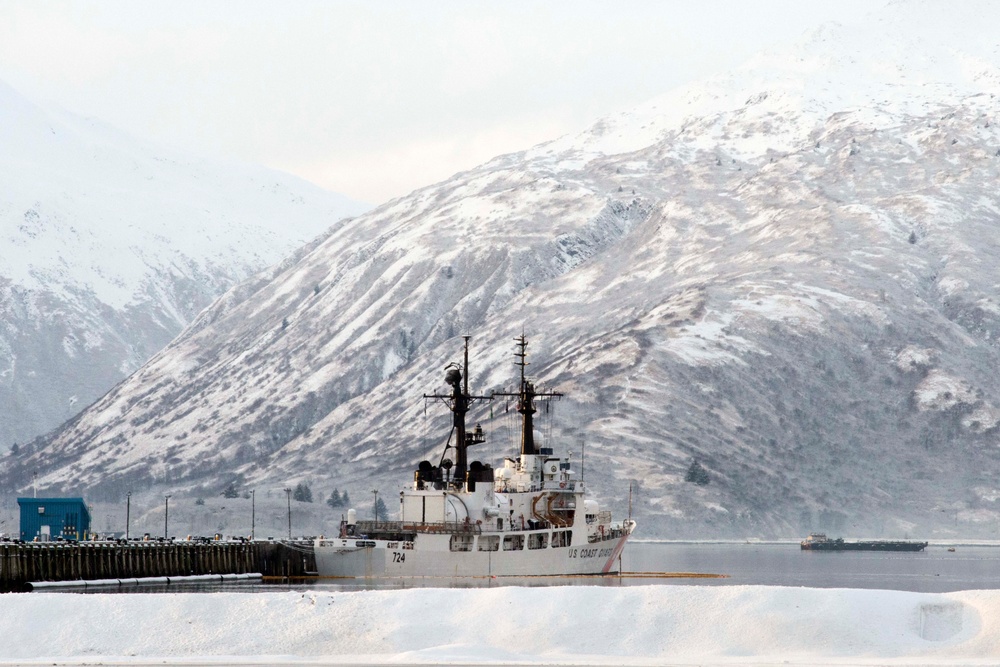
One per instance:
(444, 527)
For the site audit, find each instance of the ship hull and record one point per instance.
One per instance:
(430, 555)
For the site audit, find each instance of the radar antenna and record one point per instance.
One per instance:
(526, 396)
(459, 401)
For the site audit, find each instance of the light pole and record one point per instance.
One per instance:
(128, 512)
(288, 496)
(375, 491)
(253, 511)
(166, 514)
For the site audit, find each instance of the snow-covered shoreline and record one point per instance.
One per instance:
(641, 625)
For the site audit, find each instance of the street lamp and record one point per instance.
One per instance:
(375, 491)
(288, 496)
(166, 514)
(253, 511)
(128, 511)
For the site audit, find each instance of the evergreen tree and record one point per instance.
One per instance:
(230, 491)
(334, 499)
(302, 493)
(381, 511)
(345, 500)
(697, 474)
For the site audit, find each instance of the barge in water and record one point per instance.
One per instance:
(820, 542)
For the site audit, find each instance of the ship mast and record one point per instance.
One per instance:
(526, 396)
(459, 400)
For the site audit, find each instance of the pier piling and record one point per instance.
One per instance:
(21, 563)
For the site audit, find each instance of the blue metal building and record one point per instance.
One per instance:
(49, 518)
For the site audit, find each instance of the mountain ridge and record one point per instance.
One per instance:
(797, 297)
(111, 246)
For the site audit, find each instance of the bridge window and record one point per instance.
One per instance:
(513, 542)
(538, 540)
(461, 543)
(562, 538)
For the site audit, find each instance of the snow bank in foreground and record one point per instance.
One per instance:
(581, 624)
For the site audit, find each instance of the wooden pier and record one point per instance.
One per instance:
(21, 563)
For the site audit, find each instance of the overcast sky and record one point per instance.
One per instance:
(374, 99)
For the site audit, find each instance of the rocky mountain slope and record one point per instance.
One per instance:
(786, 274)
(109, 247)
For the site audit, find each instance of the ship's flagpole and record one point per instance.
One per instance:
(630, 501)
(621, 553)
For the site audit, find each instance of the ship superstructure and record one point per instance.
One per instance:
(530, 516)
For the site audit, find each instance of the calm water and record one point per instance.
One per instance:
(934, 570)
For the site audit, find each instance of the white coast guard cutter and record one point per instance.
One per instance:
(529, 517)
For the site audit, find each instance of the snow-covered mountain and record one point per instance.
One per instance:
(787, 273)
(109, 247)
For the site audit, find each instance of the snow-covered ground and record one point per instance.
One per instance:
(642, 625)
